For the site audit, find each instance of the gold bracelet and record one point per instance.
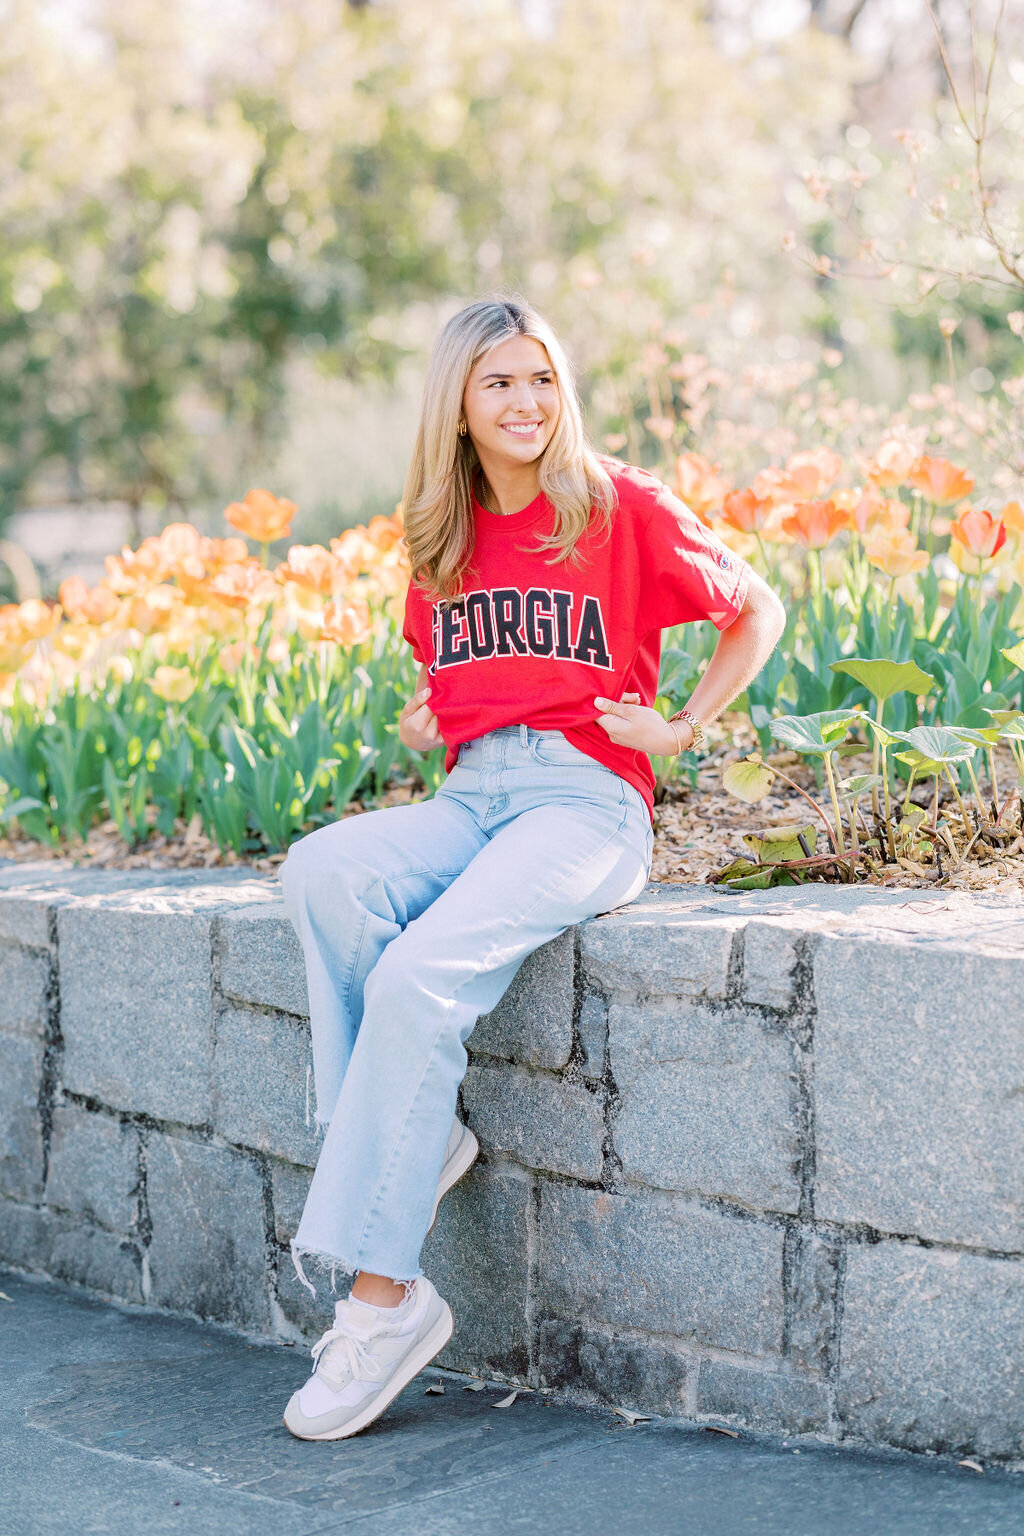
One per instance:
(680, 749)
(695, 726)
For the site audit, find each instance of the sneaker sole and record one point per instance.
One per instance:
(469, 1147)
(425, 1351)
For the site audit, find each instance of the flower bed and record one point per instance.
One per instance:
(199, 699)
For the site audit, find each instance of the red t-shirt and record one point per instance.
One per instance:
(534, 643)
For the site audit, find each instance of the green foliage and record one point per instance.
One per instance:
(814, 735)
(261, 756)
(883, 678)
(220, 213)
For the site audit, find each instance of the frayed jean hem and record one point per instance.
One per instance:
(330, 1264)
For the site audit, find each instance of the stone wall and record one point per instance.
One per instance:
(753, 1159)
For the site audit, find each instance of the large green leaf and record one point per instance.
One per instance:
(981, 738)
(749, 780)
(937, 744)
(884, 678)
(815, 735)
(859, 784)
(1015, 653)
(779, 844)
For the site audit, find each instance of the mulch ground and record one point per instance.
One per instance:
(698, 830)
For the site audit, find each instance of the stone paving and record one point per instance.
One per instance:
(116, 1420)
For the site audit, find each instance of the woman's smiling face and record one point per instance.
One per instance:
(511, 401)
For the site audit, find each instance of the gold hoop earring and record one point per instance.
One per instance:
(462, 429)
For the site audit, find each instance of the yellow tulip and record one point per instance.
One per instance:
(894, 552)
(174, 684)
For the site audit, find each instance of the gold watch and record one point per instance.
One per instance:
(698, 730)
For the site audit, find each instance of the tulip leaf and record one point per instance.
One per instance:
(779, 844)
(19, 807)
(815, 735)
(1015, 654)
(884, 678)
(748, 780)
(937, 743)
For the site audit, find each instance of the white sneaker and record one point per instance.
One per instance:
(459, 1156)
(364, 1361)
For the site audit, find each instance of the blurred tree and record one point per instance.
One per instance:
(189, 197)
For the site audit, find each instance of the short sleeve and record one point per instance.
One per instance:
(688, 573)
(413, 606)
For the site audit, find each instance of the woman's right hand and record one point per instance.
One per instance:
(417, 724)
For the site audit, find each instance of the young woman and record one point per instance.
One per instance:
(543, 574)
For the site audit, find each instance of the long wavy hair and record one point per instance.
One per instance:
(437, 506)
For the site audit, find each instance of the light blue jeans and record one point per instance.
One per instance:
(414, 919)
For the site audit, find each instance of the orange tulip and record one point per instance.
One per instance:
(261, 516)
(37, 619)
(745, 511)
(346, 623)
(871, 511)
(154, 609)
(814, 523)
(771, 485)
(315, 568)
(178, 543)
(15, 646)
(810, 474)
(698, 484)
(894, 552)
(87, 605)
(244, 585)
(215, 553)
(892, 464)
(981, 534)
(939, 481)
(384, 531)
(136, 569)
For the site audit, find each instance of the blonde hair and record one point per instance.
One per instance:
(437, 500)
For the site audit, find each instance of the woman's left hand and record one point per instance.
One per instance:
(631, 724)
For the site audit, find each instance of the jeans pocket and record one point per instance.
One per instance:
(554, 751)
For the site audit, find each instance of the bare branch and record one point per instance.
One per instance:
(991, 66)
(947, 68)
(974, 65)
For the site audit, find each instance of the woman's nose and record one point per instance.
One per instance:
(525, 401)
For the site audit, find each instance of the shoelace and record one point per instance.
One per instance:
(353, 1351)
